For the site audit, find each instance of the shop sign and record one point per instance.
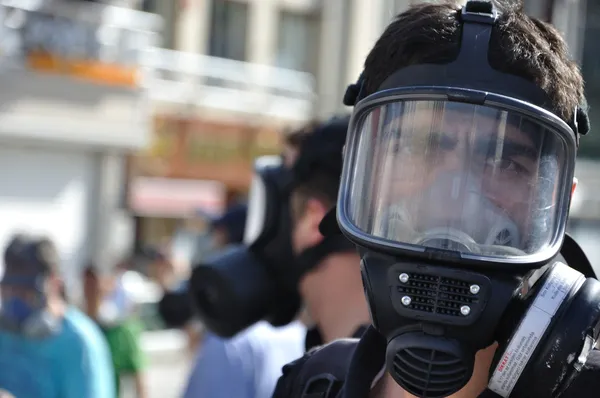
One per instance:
(163, 143)
(233, 146)
(204, 150)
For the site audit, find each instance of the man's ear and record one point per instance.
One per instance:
(315, 211)
(574, 186)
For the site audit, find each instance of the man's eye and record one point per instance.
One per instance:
(508, 165)
(389, 133)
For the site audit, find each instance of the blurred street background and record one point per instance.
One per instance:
(126, 125)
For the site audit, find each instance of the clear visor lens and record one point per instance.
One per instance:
(255, 220)
(461, 177)
(257, 200)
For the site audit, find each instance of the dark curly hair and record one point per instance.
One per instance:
(519, 45)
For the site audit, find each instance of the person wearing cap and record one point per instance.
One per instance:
(48, 348)
(229, 228)
(175, 307)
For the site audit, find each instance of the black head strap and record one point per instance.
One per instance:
(312, 257)
(478, 18)
(355, 91)
(321, 151)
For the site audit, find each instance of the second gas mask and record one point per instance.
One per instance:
(253, 281)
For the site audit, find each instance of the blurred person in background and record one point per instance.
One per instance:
(282, 262)
(229, 229)
(330, 285)
(48, 348)
(293, 141)
(331, 289)
(108, 304)
(248, 364)
(92, 293)
(175, 306)
(172, 307)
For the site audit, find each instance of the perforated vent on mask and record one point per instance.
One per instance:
(437, 295)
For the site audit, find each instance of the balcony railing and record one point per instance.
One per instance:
(80, 33)
(224, 84)
(75, 32)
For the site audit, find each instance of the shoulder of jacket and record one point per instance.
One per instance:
(329, 361)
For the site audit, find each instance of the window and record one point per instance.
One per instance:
(168, 11)
(298, 39)
(228, 30)
(590, 145)
(148, 6)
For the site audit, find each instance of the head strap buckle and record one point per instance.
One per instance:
(479, 11)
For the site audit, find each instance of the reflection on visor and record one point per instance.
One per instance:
(455, 176)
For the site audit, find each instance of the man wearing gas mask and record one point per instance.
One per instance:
(228, 230)
(48, 349)
(458, 173)
(328, 268)
(269, 277)
(245, 362)
(262, 280)
(293, 141)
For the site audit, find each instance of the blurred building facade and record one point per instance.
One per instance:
(73, 104)
(232, 70)
(227, 83)
(227, 78)
(579, 21)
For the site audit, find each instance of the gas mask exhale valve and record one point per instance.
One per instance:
(456, 191)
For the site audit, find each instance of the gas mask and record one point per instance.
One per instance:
(246, 283)
(456, 188)
(20, 316)
(259, 279)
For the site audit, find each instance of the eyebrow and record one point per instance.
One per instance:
(509, 148)
(514, 148)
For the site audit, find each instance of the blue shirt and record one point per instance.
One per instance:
(246, 366)
(75, 363)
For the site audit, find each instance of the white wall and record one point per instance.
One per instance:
(48, 192)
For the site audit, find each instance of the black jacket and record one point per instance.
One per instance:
(356, 363)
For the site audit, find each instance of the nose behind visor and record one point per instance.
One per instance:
(465, 221)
